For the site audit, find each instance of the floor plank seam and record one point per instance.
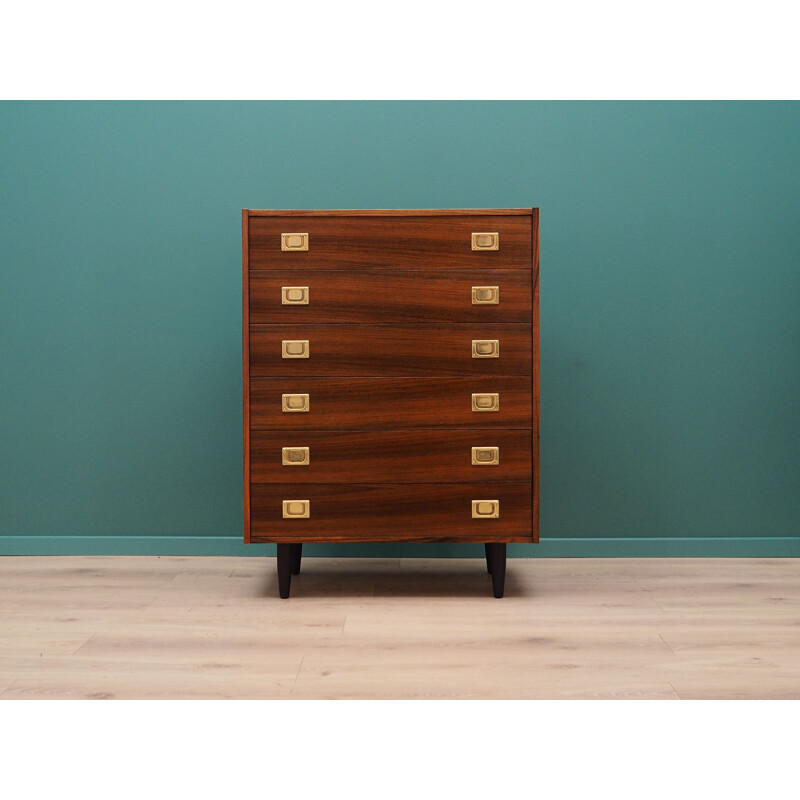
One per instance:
(667, 644)
(657, 604)
(646, 591)
(85, 643)
(302, 658)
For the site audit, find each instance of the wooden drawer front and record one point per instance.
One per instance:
(402, 349)
(391, 296)
(405, 456)
(427, 243)
(347, 403)
(380, 512)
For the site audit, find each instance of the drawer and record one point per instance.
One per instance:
(388, 350)
(423, 242)
(390, 296)
(371, 512)
(404, 456)
(340, 403)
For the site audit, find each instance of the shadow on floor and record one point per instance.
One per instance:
(468, 579)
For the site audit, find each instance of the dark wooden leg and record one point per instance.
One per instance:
(488, 549)
(284, 569)
(498, 560)
(297, 554)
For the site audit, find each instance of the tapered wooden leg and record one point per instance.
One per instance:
(488, 558)
(284, 569)
(297, 554)
(497, 557)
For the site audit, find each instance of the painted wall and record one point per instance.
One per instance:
(670, 308)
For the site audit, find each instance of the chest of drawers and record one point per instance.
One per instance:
(391, 379)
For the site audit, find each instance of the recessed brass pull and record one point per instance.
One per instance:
(485, 456)
(296, 509)
(296, 456)
(485, 509)
(294, 348)
(486, 241)
(486, 348)
(485, 295)
(486, 402)
(294, 241)
(294, 295)
(294, 403)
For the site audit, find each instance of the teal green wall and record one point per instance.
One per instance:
(670, 308)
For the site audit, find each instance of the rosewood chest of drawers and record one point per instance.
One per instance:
(391, 379)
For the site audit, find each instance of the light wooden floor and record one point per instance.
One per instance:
(149, 627)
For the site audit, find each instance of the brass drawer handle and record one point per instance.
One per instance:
(294, 295)
(485, 295)
(486, 348)
(296, 456)
(485, 456)
(294, 348)
(485, 402)
(294, 241)
(296, 509)
(486, 241)
(294, 403)
(485, 509)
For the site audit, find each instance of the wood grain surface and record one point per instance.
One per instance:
(431, 243)
(390, 350)
(376, 512)
(390, 212)
(390, 325)
(535, 369)
(390, 296)
(246, 372)
(352, 403)
(414, 455)
(170, 627)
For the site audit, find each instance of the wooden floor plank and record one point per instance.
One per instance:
(105, 683)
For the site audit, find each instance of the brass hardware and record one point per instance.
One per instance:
(485, 348)
(294, 348)
(294, 241)
(485, 295)
(294, 295)
(296, 456)
(296, 509)
(295, 402)
(486, 241)
(485, 456)
(485, 509)
(485, 402)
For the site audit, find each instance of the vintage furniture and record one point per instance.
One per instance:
(391, 379)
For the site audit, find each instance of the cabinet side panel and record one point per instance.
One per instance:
(246, 365)
(535, 374)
